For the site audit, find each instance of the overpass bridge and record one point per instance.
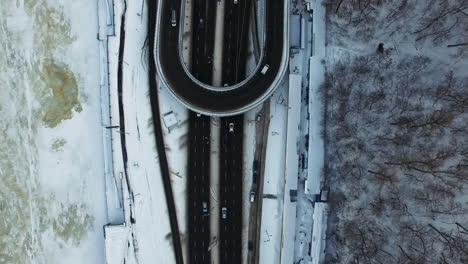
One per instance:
(221, 101)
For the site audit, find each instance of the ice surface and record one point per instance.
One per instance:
(52, 189)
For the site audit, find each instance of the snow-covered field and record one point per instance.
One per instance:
(52, 189)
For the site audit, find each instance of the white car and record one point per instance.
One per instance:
(173, 18)
(252, 196)
(236, 1)
(231, 127)
(224, 213)
(205, 207)
(265, 69)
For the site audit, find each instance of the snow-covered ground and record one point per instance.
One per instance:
(291, 169)
(273, 187)
(150, 232)
(52, 200)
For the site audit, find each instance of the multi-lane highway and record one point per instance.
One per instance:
(256, 89)
(198, 95)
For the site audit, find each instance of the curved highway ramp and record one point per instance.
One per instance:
(221, 101)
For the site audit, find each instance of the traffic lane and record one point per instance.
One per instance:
(199, 235)
(230, 234)
(203, 30)
(199, 232)
(235, 22)
(241, 39)
(201, 98)
(200, 66)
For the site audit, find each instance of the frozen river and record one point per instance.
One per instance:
(52, 204)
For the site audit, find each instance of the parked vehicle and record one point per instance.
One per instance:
(205, 207)
(252, 196)
(259, 116)
(235, 2)
(231, 127)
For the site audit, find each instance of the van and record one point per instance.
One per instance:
(174, 18)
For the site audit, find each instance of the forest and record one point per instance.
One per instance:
(396, 131)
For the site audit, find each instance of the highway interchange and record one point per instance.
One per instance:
(209, 101)
(194, 94)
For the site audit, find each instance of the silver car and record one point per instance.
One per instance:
(231, 127)
(205, 207)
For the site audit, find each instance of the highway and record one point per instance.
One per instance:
(198, 181)
(221, 103)
(168, 62)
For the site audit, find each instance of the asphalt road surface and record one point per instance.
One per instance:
(206, 100)
(236, 22)
(198, 189)
(230, 182)
(232, 133)
(198, 182)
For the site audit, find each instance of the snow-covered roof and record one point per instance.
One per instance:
(116, 241)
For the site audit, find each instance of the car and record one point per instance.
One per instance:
(259, 116)
(265, 69)
(205, 207)
(236, 1)
(231, 127)
(224, 213)
(252, 196)
(173, 18)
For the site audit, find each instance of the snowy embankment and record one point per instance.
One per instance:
(315, 177)
(273, 192)
(150, 234)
